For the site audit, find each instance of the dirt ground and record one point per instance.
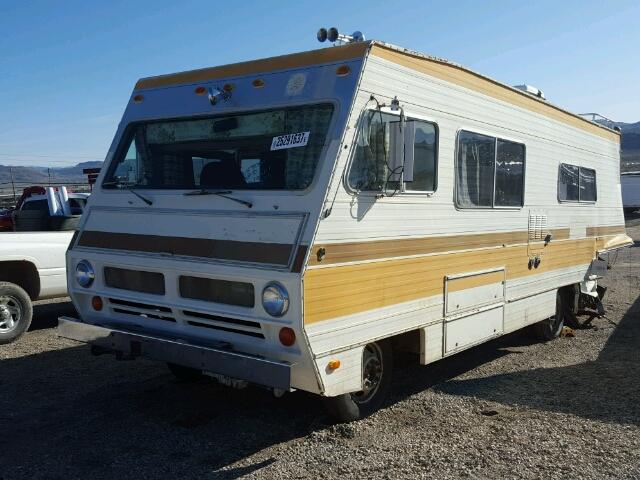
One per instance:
(511, 408)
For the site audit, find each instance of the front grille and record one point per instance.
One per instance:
(225, 324)
(240, 294)
(143, 310)
(135, 280)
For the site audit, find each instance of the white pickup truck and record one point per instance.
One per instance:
(32, 263)
(32, 267)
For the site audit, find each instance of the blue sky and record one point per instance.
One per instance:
(67, 68)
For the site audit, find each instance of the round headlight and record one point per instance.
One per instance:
(275, 299)
(84, 274)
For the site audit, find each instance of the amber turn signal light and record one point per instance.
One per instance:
(333, 365)
(287, 336)
(96, 303)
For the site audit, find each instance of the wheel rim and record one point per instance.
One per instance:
(372, 371)
(10, 313)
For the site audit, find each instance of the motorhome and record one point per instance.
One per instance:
(291, 221)
(630, 191)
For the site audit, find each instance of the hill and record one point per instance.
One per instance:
(23, 176)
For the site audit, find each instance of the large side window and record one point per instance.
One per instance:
(489, 172)
(375, 166)
(576, 184)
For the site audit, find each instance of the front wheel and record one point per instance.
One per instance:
(15, 312)
(552, 327)
(377, 368)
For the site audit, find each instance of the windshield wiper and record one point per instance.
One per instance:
(128, 188)
(220, 193)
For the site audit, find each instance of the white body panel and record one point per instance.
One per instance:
(46, 251)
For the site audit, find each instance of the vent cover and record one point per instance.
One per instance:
(538, 228)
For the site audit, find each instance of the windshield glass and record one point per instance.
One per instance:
(272, 150)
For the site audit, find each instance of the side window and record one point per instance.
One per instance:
(376, 167)
(568, 183)
(424, 157)
(509, 174)
(588, 191)
(40, 205)
(489, 172)
(576, 184)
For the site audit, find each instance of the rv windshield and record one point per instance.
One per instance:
(268, 150)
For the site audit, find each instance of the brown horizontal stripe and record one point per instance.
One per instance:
(266, 65)
(349, 289)
(377, 249)
(602, 231)
(459, 75)
(255, 252)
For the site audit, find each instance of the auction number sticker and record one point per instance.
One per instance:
(291, 140)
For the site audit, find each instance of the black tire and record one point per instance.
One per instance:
(16, 312)
(551, 327)
(186, 374)
(353, 406)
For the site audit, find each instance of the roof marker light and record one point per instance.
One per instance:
(138, 98)
(200, 90)
(258, 83)
(343, 70)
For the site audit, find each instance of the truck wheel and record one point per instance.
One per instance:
(552, 327)
(377, 368)
(15, 312)
(187, 374)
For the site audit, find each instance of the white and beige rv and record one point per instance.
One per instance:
(289, 222)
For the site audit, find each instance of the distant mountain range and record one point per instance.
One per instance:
(43, 175)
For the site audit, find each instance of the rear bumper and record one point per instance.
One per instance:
(188, 353)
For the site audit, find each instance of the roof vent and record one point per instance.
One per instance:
(531, 90)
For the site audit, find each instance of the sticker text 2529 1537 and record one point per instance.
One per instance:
(290, 140)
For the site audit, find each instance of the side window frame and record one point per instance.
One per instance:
(402, 191)
(579, 200)
(493, 205)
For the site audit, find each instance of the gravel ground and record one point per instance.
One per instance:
(511, 408)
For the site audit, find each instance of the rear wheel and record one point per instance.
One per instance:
(552, 327)
(377, 367)
(15, 312)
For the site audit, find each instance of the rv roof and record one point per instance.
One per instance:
(430, 65)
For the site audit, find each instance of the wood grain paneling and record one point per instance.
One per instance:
(399, 247)
(349, 289)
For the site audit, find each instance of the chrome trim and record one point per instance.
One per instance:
(215, 358)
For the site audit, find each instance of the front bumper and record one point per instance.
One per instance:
(218, 359)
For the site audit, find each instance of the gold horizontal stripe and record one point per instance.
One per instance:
(479, 83)
(457, 284)
(602, 231)
(349, 289)
(266, 65)
(377, 249)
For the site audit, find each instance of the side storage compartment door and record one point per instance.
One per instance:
(474, 308)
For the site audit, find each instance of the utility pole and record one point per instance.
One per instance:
(49, 173)
(13, 185)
